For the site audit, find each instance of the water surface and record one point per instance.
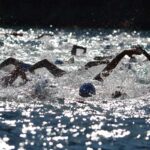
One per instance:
(59, 118)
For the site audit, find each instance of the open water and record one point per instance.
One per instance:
(58, 118)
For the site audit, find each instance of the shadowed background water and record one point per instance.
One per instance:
(59, 118)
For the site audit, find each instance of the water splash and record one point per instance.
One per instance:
(59, 118)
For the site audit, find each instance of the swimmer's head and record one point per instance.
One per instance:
(87, 90)
(58, 62)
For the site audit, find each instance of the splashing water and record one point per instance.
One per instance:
(48, 113)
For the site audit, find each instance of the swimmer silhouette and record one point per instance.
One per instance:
(110, 66)
(21, 68)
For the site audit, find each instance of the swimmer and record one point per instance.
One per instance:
(28, 67)
(110, 66)
(21, 68)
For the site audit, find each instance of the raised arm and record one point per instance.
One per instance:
(106, 71)
(75, 47)
(57, 72)
(10, 61)
(9, 80)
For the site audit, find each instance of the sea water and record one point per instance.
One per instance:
(47, 113)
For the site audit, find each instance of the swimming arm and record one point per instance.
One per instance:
(8, 80)
(10, 61)
(75, 47)
(96, 63)
(106, 71)
(57, 72)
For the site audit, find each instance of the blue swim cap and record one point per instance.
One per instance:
(25, 67)
(87, 90)
(58, 62)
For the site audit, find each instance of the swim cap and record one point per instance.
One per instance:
(58, 62)
(25, 67)
(87, 90)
